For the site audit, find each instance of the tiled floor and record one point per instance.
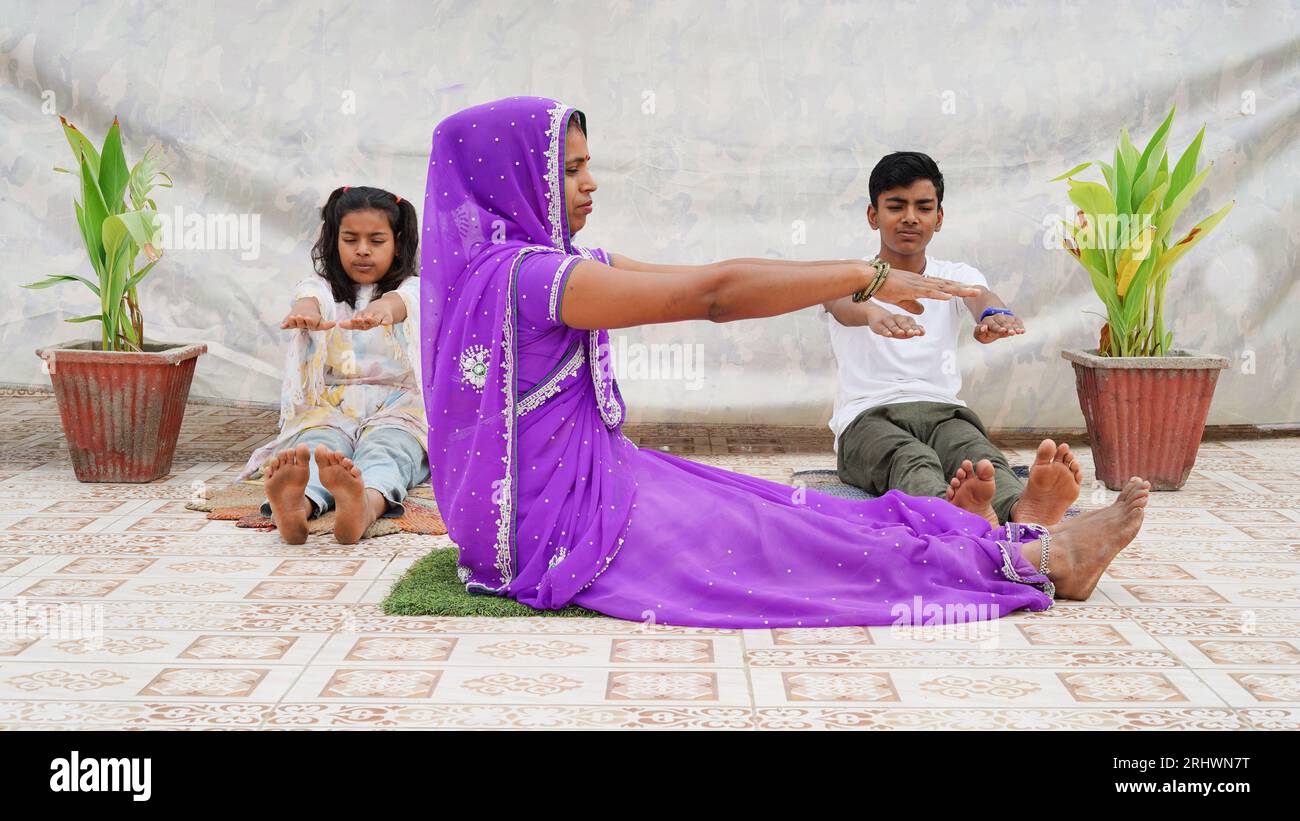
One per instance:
(140, 614)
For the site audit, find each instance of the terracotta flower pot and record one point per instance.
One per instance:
(121, 412)
(1145, 414)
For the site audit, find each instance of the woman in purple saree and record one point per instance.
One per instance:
(551, 504)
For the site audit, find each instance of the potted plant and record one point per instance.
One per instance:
(1144, 402)
(121, 398)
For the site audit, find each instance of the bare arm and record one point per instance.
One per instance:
(853, 314)
(601, 296)
(628, 264)
(985, 299)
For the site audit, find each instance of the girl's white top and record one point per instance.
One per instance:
(350, 380)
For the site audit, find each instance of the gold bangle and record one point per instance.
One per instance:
(882, 273)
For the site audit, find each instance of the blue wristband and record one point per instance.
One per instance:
(990, 311)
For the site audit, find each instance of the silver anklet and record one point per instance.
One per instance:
(1014, 532)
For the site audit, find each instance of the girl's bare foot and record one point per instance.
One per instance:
(972, 489)
(286, 478)
(356, 506)
(1053, 485)
(1086, 545)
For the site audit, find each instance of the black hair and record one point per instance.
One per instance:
(403, 222)
(579, 120)
(901, 169)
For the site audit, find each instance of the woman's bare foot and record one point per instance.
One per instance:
(972, 489)
(356, 506)
(286, 478)
(1084, 547)
(1053, 485)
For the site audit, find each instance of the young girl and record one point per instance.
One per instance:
(352, 426)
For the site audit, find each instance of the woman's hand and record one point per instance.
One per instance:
(379, 312)
(903, 288)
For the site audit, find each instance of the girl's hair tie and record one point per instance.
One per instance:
(345, 188)
(399, 200)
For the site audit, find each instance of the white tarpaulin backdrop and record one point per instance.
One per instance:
(717, 130)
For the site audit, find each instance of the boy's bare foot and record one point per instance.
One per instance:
(1053, 485)
(972, 489)
(286, 478)
(356, 506)
(1083, 547)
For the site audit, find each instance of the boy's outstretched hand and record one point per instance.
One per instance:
(998, 326)
(896, 326)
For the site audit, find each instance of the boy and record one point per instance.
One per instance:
(898, 422)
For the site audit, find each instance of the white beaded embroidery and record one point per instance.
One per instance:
(554, 194)
(552, 311)
(474, 366)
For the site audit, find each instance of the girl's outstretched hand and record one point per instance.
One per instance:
(308, 321)
(377, 313)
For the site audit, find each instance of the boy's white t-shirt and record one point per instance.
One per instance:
(876, 370)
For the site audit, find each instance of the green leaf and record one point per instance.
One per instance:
(1198, 232)
(139, 275)
(55, 279)
(1173, 210)
(88, 240)
(144, 228)
(1129, 264)
(86, 318)
(1091, 198)
(1134, 303)
(1108, 171)
(129, 331)
(1123, 183)
(1155, 148)
(143, 179)
(81, 146)
(121, 252)
(113, 173)
(1144, 173)
(1185, 169)
(1071, 172)
(94, 213)
(1098, 208)
(1152, 200)
(1092, 262)
(1128, 151)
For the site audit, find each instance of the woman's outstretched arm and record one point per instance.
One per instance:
(628, 264)
(601, 296)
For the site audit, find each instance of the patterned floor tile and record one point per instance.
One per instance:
(116, 681)
(168, 620)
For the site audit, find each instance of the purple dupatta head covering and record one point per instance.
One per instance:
(495, 195)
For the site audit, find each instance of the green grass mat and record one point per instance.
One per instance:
(431, 588)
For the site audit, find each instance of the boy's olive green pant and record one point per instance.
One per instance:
(916, 448)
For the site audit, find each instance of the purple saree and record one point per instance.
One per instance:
(551, 504)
